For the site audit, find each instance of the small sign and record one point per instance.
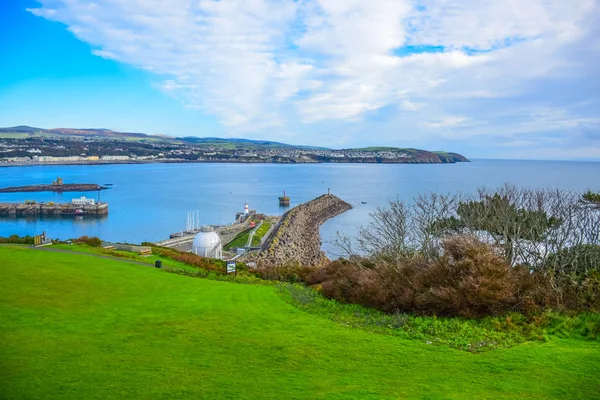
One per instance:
(230, 267)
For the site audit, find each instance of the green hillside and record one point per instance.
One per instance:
(82, 327)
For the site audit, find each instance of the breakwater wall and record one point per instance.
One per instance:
(65, 209)
(296, 238)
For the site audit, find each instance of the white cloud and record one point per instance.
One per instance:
(475, 66)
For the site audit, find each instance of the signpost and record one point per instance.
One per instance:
(231, 267)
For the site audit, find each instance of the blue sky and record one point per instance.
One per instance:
(485, 79)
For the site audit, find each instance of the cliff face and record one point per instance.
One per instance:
(297, 239)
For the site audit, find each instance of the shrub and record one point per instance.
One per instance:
(289, 272)
(90, 241)
(208, 264)
(16, 239)
(470, 279)
(576, 262)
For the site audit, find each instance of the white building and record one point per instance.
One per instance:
(207, 243)
(83, 201)
(115, 158)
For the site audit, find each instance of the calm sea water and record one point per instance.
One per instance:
(150, 201)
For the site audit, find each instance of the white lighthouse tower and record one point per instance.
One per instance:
(246, 210)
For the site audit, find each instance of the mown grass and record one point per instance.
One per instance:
(150, 260)
(82, 327)
(240, 240)
(474, 335)
(260, 232)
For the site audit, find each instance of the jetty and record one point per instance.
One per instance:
(54, 209)
(55, 186)
(296, 237)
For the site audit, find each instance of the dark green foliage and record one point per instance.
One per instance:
(576, 262)
(16, 239)
(591, 197)
(500, 216)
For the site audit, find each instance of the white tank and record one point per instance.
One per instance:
(207, 243)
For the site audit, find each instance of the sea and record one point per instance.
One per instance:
(148, 202)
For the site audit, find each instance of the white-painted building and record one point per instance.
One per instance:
(83, 201)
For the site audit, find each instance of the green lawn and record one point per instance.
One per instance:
(81, 327)
(260, 232)
(241, 240)
(81, 248)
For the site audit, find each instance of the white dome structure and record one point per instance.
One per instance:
(207, 243)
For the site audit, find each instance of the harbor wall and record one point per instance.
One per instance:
(17, 209)
(296, 239)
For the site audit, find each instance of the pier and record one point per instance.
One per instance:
(296, 237)
(53, 209)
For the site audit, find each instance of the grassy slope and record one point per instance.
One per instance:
(240, 240)
(166, 262)
(74, 326)
(260, 232)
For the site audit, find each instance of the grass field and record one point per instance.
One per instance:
(260, 232)
(240, 240)
(82, 327)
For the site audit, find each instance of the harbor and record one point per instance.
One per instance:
(216, 239)
(77, 207)
(260, 239)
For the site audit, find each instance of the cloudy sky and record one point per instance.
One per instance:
(486, 78)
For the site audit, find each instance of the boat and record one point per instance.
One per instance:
(77, 212)
(363, 202)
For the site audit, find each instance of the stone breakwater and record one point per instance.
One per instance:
(297, 238)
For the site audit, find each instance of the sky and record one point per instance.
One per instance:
(485, 78)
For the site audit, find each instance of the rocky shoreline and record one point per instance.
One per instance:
(297, 238)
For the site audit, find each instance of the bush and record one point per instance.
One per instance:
(16, 239)
(90, 241)
(290, 272)
(207, 264)
(576, 262)
(470, 279)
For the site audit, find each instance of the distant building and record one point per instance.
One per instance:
(83, 201)
(115, 158)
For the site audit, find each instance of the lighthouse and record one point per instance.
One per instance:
(246, 210)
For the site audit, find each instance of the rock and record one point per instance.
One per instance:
(297, 238)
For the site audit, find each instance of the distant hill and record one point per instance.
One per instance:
(87, 132)
(20, 129)
(378, 154)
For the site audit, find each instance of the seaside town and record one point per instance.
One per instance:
(33, 150)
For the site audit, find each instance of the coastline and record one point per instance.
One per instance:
(113, 162)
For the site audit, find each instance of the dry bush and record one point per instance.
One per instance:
(288, 272)
(204, 263)
(471, 279)
(90, 241)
